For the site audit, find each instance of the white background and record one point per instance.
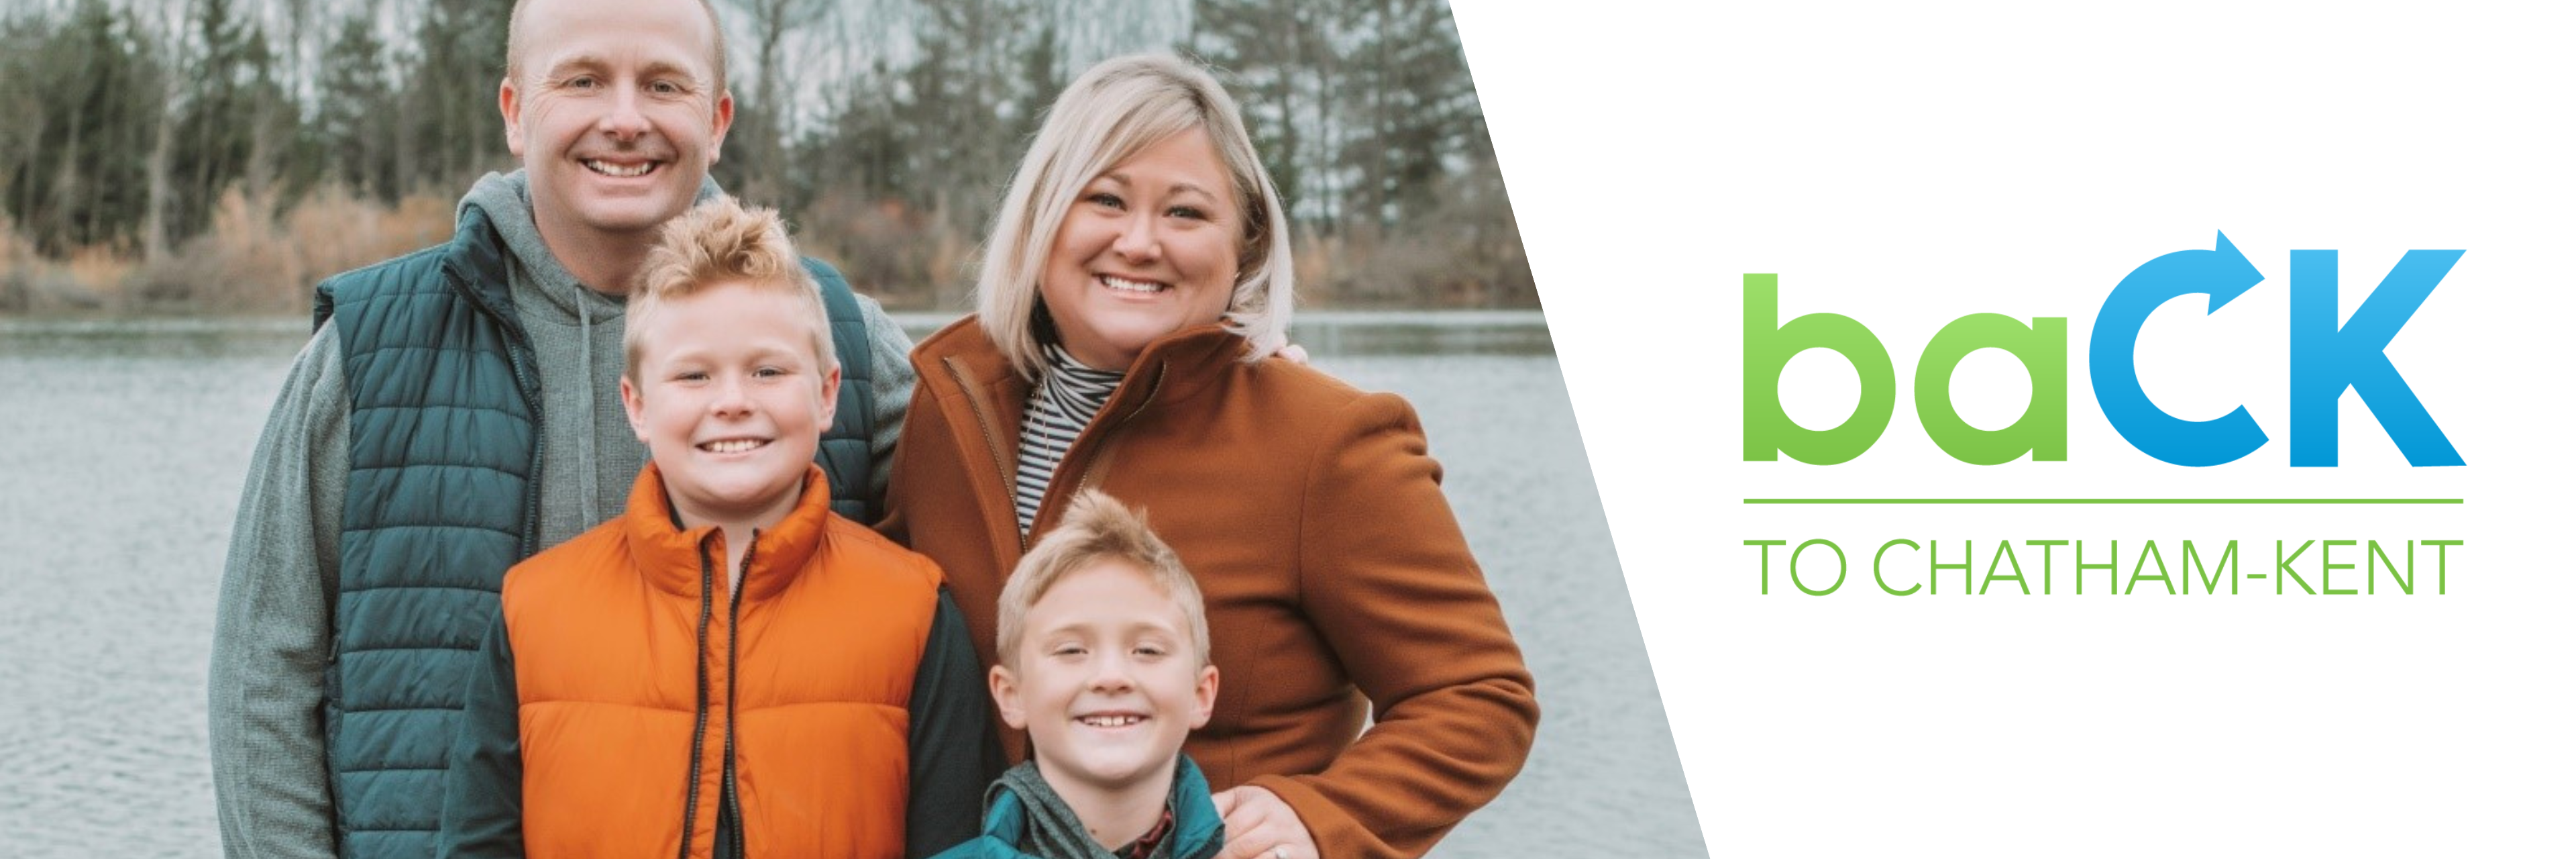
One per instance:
(1907, 164)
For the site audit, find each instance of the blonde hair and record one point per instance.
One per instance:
(1118, 108)
(1096, 528)
(719, 241)
(510, 49)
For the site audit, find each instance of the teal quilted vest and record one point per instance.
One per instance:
(442, 499)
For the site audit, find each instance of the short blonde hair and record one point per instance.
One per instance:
(719, 241)
(1120, 107)
(515, 42)
(1097, 528)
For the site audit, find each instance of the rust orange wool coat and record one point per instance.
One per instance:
(637, 674)
(1339, 587)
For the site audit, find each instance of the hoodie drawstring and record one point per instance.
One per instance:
(589, 395)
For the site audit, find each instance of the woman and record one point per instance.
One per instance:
(1134, 289)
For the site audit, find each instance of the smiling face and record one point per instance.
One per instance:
(617, 113)
(1106, 681)
(728, 394)
(1150, 247)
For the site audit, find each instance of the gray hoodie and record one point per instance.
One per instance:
(273, 625)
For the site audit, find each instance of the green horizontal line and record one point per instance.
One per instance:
(2105, 501)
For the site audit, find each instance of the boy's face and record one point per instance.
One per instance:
(730, 398)
(1105, 680)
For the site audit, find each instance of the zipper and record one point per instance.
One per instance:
(516, 351)
(1096, 457)
(733, 685)
(975, 401)
(698, 738)
(528, 537)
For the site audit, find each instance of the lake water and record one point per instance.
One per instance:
(122, 446)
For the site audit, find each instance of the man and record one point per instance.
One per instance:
(456, 411)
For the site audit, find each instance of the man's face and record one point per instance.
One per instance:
(616, 112)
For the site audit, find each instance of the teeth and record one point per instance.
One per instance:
(1129, 285)
(731, 445)
(606, 169)
(1111, 721)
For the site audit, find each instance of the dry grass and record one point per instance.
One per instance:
(32, 283)
(240, 264)
(333, 232)
(252, 262)
(906, 257)
(1437, 267)
(255, 259)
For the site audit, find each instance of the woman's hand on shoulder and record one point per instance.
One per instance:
(1260, 825)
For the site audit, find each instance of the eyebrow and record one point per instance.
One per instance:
(1114, 628)
(652, 68)
(1121, 178)
(759, 352)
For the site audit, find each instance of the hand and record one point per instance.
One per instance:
(1294, 354)
(1260, 825)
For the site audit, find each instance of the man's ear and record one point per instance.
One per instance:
(516, 135)
(723, 123)
(1006, 698)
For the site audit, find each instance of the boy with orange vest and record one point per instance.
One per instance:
(729, 669)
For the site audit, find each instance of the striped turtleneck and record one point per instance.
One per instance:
(1067, 396)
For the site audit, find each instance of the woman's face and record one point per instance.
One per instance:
(1150, 247)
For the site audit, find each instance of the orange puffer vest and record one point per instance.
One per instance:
(640, 674)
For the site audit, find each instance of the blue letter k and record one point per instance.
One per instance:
(2324, 361)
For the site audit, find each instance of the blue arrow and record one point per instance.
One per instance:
(2221, 273)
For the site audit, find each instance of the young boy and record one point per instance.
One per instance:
(1104, 661)
(728, 668)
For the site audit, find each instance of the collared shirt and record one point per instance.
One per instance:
(1143, 846)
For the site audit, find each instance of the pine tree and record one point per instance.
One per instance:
(1413, 110)
(82, 96)
(454, 128)
(1277, 57)
(351, 127)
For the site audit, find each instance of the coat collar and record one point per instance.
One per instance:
(680, 561)
(1199, 350)
(1197, 830)
(962, 369)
